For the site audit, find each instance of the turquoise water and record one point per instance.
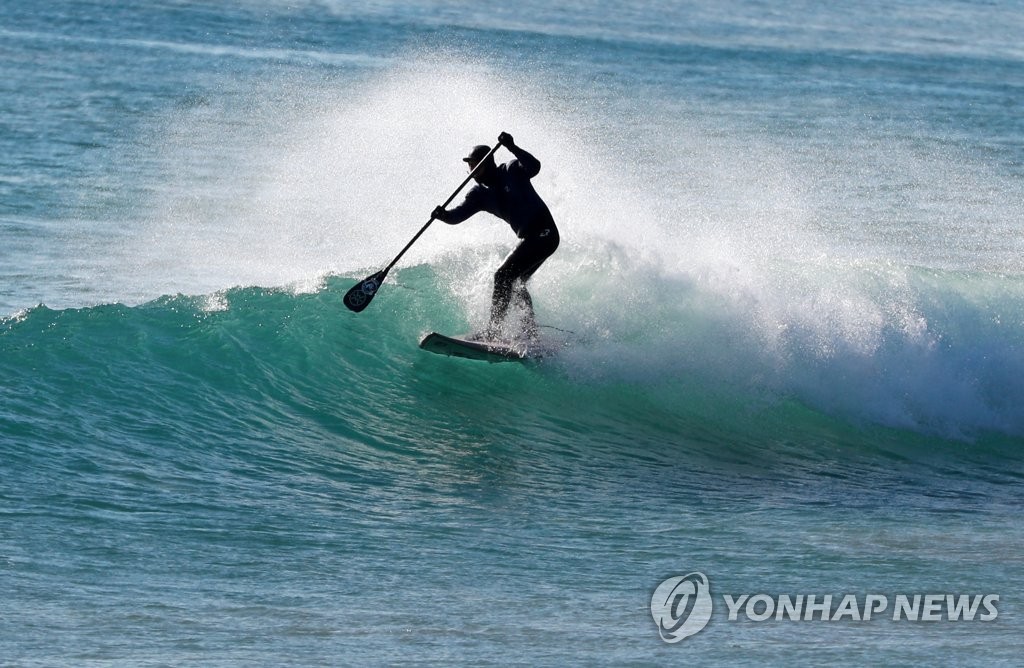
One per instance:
(790, 279)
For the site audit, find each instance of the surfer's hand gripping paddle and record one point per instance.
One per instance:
(362, 293)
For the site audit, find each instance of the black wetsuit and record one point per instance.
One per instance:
(506, 192)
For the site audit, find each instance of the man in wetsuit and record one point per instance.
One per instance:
(506, 192)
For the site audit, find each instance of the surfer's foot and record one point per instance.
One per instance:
(489, 334)
(529, 332)
(529, 328)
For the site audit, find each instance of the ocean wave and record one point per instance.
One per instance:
(866, 347)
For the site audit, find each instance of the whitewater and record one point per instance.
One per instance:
(789, 301)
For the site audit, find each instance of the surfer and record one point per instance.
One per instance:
(506, 192)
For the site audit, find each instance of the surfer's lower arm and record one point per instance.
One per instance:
(463, 211)
(453, 217)
(439, 213)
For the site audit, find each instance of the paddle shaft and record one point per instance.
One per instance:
(448, 201)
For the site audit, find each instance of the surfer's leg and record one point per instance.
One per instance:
(518, 267)
(542, 247)
(502, 295)
(529, 320)
(511, 271)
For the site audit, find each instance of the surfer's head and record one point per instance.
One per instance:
(481, 152)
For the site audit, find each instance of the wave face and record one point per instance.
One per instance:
(924, 352)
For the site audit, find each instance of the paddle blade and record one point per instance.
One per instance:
(360, 295)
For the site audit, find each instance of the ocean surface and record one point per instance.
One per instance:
(789, 306)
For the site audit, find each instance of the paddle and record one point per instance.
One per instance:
(361, 294)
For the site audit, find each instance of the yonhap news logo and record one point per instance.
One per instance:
(682, 605)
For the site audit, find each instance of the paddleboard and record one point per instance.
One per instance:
(485, 351)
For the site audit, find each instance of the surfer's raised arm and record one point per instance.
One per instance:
(530, 164)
